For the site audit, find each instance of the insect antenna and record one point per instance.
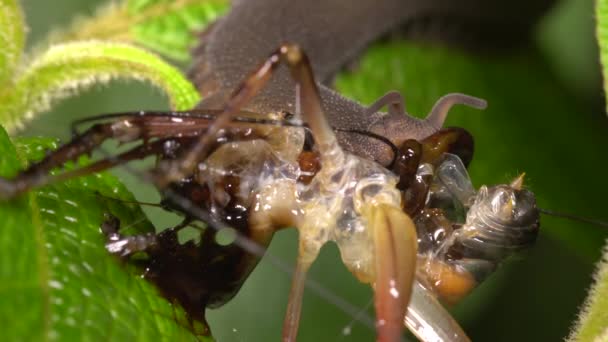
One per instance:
(189, 114)
(347, 330)
(575, 218)
(141, 203)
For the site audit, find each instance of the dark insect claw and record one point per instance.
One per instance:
(110, 225)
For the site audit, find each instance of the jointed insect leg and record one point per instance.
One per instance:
(125, 128)
(311, 108)
(125, 246)
(296, 294)
(38, 173)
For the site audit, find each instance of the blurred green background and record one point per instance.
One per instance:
(533, 299)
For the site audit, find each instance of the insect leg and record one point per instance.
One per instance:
(38, 174)
(395, 243)
(121, 245)
(428, 320)
(311, 108)
(124, 127)
(296, 294)
(394, 234)
(125, 246)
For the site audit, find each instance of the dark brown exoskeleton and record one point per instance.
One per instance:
(338, 171)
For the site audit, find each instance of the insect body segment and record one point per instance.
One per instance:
(463, 236)
(470, 231)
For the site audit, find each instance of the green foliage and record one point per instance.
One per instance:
(592, 324)
(58, 280)
(172, 34)
(12, 37)
(166, 27)
(593, 320)
(67, 69)
(601, 12)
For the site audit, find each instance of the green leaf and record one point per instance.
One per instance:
(172, 33)
(601, 12)
(58, 281)
(12, 38)
(593, 321)
(167, 27)
(64, 70)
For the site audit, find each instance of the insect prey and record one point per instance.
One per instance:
(406, 219)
